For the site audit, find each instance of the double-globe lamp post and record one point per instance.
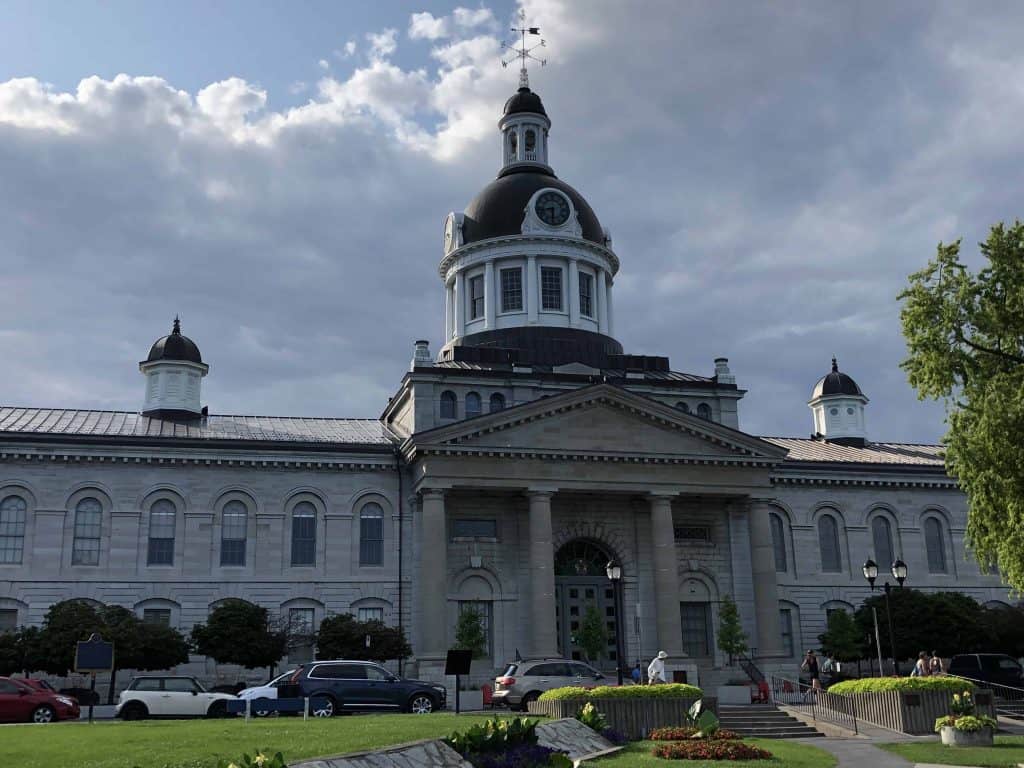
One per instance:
(899, 572)
(614, 571)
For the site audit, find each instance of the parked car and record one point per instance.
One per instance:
(996, 668)
(524, 681)
(170, 696)
(348, 686)
(84, 696)
(24, 703)
(266, 691)
(40, 685)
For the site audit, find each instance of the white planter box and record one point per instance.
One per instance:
(733, 694)
(951, 737)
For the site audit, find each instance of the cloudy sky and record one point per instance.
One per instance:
(278, 174)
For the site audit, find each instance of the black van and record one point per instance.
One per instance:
(352, 686)
(995, 668)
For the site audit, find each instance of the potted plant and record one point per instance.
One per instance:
(961, 727)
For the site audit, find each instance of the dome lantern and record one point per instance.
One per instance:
(174, 371)
(837, 403)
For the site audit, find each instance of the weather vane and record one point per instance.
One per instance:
(522, 52)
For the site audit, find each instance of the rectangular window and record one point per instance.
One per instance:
(233, 533)
(303, 540)
(8, 619)
(300, 635)
(12, 529)
(586, 294)
(161, 536)
(476, 297)
(371, 614)
(157, 616)
(786, 628)
(482, 608)
(85, 550)
(551, 289)
(512, 290)
(696, 621)
(693, 533)
(474, 529)
(371, 540)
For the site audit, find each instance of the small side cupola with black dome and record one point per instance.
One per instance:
(837, 404)
(174, 371)
(527, 267)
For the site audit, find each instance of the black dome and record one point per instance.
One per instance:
(524, 100)
(835, 383)
(499, 208)
(175, 347)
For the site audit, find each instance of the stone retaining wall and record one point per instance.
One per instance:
(910, 712)
(634, 718)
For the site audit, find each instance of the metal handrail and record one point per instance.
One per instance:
(751, 669)
(828, 707)
(1007, 699)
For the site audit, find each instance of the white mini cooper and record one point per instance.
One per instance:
(170, 696)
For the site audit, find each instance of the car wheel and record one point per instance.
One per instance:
(218, 709)
(524, 704)
(422, 704)
(134, 711)
(323, 706)
(258, 708)
(44, 713)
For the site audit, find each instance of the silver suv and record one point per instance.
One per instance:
(524, 681)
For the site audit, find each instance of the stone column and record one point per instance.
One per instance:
(542, 576)
(460, 304)
(490, 310)
(611, 315)
(433, 577)
(532, 295)
(574, 293)
(602, 302)
(766, 590)
(666, 577)
(449, 321)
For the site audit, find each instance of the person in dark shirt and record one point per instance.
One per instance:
(810, 666)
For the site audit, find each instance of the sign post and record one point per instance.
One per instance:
(458, 663)
(92, 656)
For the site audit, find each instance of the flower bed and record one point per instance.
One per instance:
(710, 750)
(666, 691)
(901, 684)
(684, 732)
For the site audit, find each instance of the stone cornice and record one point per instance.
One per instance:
(524, 240)
(65, 456)
(880, 478)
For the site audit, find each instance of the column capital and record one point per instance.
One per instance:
(433, 493)
(540, 493)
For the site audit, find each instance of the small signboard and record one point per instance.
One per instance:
(458, 662)
(94, 655)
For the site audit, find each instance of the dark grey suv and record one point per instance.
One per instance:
(351, 686)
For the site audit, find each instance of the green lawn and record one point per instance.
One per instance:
(1007, 753)
(787, 755)
(199, 743)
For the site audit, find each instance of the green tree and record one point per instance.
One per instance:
(65, 624)
(731, 637)
(1003, 629)
(140, 645)
(965, 344)
(592, 636)
(843, 639)
(469, 632)
(13, 652)
(949, 622)
(238, 632)
(343, 637)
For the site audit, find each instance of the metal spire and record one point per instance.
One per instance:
(522, 52)
(177, 325)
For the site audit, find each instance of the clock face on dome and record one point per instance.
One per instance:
(552, 208)
(449, 233)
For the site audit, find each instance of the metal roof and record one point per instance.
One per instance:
(806, 449)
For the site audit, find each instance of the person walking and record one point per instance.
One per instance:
(921, 666)
(935, 665)
(656, 670)
(637, 674)
(810, 666)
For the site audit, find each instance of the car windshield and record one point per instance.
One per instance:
(281, 678)
(511, 670)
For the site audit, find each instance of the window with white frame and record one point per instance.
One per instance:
(234, 527)
(371, 534)
(476, 297)
(512, 290)
(586, 294)
(371, 613)
(12, 529)
(304, 534)
(482, 609)
(162, 518)
(85, 547)
(551, 289)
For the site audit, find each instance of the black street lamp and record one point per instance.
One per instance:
(899, 572)
(614, 571)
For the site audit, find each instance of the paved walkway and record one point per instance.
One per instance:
(859, 753)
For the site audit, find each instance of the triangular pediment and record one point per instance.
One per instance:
(602, 420)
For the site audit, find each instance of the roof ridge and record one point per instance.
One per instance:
(222, 415)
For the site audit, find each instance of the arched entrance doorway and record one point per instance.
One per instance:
(581, 583)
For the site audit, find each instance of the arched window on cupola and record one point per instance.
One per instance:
(513, 141)
(684, 407)
(531, 144)
(474, 407)
(704, 411)
(497, 402)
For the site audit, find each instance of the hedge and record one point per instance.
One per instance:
(664, 691)
(882, 684)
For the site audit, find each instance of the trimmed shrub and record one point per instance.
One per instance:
(683, 733)
(665, 691)
(901, 684)
(710, 750)
(966, 723)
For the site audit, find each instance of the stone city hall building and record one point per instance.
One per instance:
(502, 475)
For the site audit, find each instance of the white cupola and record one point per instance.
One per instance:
(174, 372)
(524, 129)
(838, 407)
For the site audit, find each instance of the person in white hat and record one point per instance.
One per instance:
(656, 671)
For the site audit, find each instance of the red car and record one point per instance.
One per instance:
(21, 703)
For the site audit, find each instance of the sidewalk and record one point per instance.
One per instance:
(859, 753)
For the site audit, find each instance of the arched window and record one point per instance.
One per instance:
(371, 534)
(684, 407)
(304, 534)
(512, 143)
(933, 542)
(161, 532)
(828, 542)
(704, 411)
(778, 542)
(233, 533)
(881, 535)
(473, 405)
(12, 529)
(531, 144)
(497, 402)
(85, 549)
(448, 405)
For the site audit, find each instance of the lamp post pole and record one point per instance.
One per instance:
(899, 572)
(614, 572)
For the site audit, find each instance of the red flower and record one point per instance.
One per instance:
(710, 750)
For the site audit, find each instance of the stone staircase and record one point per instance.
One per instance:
(764, 721)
